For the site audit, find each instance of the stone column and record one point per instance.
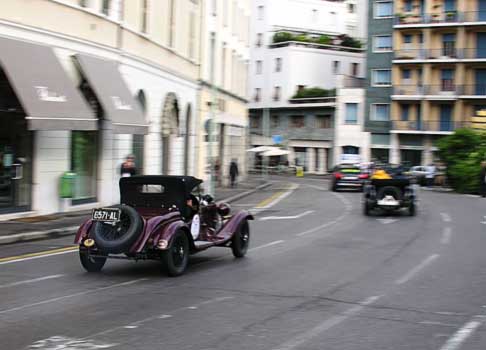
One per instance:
(311, 160)
(320, 162)
(395, 149)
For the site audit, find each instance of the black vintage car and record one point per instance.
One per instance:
(389, 195)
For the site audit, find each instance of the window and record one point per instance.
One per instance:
(406, 74)
(323, 121)
(381, 77)
(450, 5)
(274, 121)
(354, 69)
(380, 112)
(260, 12)
(383, 9)
(278, 64)
(255, 122)
(192, 36)
(405, 112)
(408, 5)
(350, 150)
(172, 23)
(144, 19)
(297, 121)
(407, 39)
(447, 76)
(382, 43)
(276, 93)
(257, 97)
(105, 8)
(223, 66)
(84, 164)
(335, 67)
(351, 116)
(259, 40)
(449, 45)
(300, 88)
(351, 8)
(259, 65)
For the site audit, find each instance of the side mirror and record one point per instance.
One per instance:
(208, 198)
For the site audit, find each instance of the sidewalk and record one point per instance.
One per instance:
(63, 224)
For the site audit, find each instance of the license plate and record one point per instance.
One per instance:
(388, 202)
(350, 178)
(107, 215)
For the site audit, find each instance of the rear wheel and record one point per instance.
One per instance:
(90, 263)
(241, 240)
(176, 257)
(411, 210)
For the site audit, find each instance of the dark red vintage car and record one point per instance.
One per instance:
(161, 218)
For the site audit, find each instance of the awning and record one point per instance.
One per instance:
(46, 93)
(230, 119)
(118, 104)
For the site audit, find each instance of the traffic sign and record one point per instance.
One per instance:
(277, 139)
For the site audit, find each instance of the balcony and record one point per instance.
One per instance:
(473, 91)
(440, 18)
(429, 126)
(445, 91)
(443, 54)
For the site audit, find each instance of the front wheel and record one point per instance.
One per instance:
(90, 263)
(241, 240)
(176, 257)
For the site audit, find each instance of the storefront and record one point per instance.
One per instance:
(34, 98)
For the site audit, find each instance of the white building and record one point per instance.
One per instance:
(297, 45)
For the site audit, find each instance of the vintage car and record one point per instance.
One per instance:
(389, 195)
(161, 218)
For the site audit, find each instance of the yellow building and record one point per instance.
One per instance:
(438, 74)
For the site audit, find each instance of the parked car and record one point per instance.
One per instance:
(160, 218)
(419, 173)
(389, 195)
(348, 176)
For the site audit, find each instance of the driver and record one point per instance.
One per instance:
(192, 206)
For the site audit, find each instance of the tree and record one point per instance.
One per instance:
(462, 152)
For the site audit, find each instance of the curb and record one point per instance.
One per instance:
(71, 230)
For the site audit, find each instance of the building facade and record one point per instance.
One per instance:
(379, 78)
(439, 73)
(223, 87)
(85, 83)
(295, 61)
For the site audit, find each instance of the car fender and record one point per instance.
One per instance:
(152, 228)
(230, 227)
(168, 232)
(83, 231)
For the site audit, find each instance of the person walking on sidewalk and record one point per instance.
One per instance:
(128, 167)
(482, 179)
(233, 172)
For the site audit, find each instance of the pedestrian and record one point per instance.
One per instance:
(233, 171)
(430, 175)
(128, 167)
(482, 179)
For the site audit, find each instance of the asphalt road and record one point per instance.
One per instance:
(319, 275)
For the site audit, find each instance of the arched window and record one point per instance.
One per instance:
(138, 141)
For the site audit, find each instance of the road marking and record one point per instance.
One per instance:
(409, 275)
(58, 342)
(266, 245)
(387, 221)
(461, 335)
(153, 318)
(472, 195)
(275, 198)
(484, 220)
(43, 254)
(130, 327)
(326, 325)
(15, 284)
(48, 301)
(286, 217)
(446, 235)
(446, 217)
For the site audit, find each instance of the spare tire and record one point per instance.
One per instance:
(116, 239)
(389, 191)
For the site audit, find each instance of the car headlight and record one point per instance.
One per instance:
(163, 244)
